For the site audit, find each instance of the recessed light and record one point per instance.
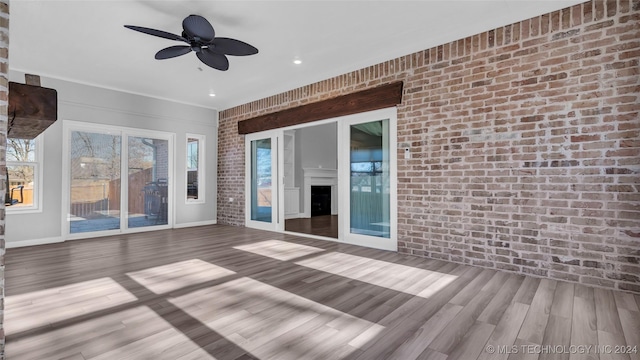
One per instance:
(297, 61)
(212, 94)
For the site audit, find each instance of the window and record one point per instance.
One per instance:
(23, 174)
(195, 168)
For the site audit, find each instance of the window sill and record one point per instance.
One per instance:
(10, 210)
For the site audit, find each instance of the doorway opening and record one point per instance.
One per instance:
(310, 160)
(332, 179)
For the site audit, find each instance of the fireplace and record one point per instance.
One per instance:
(318, 177)
(320, 200)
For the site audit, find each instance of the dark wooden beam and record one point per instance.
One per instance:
(32, 109)
(366, 100)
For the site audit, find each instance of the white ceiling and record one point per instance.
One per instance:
(85, 41)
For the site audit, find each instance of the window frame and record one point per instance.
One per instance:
(38, 182)
(201, 168)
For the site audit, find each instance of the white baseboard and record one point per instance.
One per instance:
(197, 223)
(32, 242)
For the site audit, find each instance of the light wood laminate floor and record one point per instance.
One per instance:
(219, 292)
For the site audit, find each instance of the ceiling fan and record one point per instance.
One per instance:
(200, 36)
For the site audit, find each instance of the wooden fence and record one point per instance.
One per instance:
(94, 200)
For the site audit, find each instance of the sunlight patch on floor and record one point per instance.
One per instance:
(41, 308)
(170, 277)
(270, 322)
(279, 250)
(161, 341)
(407, 279)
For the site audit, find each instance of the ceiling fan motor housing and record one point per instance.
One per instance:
(200, 36)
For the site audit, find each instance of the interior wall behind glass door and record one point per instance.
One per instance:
(95, 182)
(261, 180)
(148, 164)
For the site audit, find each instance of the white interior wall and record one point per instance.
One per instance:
(319, 146)
(90, 104)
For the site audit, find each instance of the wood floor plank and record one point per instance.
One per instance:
(364, 338)
(563, 300)
(451, 335)
(524, 350)
(473, 343)
(532, 330)
(625, 301)
(220, 292)
(557, 335)
(609, 342)
(506, 331)
(496, 308)
(390, 340)
(420, 340)
(630, 321)
(412, 305)
(583, 328)
(527, 290)
(76, 356)
(293, 343)
(608, 319)
(429, 354)
(470, 291)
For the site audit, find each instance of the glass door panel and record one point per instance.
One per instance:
(148, 165)
(118, 180)
(367, 178)
(95, 182)
(262, 210)
(261, 181)
(370, 179)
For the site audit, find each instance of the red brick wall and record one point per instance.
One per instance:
(525, 146)
(4, 96)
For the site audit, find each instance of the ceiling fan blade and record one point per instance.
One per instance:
(216, 61)
(197, 26)
(172, 51)
(233, 47)
(154, 32)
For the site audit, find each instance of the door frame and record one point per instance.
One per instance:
(124, 132)
(343, 123)
(344, 179)
(277, 196)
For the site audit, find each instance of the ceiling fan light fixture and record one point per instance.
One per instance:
(200, 37)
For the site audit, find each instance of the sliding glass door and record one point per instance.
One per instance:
(95, 181)
(148, 182)
(262, 187)
(118, 180)
(368, 177)
(366, 191)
